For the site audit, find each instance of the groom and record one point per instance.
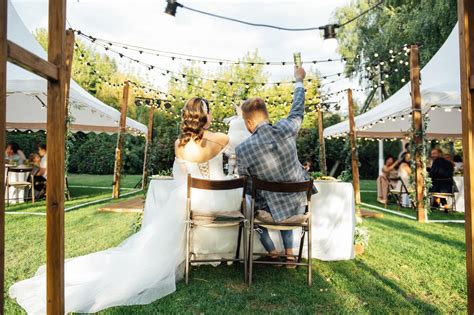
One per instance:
(270, 154)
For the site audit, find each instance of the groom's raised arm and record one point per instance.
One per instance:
(295, 118)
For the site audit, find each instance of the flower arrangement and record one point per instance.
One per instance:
(361, 236)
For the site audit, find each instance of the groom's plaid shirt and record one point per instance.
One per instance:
(270, 154)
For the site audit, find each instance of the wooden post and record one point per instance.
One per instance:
(120, 137)
(3, 110)
(466, 49)
(149, 139)
(353, 139)
(322, 145)
(417, 118)
(56, 133)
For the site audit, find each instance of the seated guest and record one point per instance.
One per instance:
(449, 157)
(458, 166)
(41, 174)
(35, 162)
(14, 154)
(388, 171)
(406, 148)
(441, 173)
(404, 172)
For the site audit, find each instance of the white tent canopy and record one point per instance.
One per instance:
(26, 94)
(440, 96)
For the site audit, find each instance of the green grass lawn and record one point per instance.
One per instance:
(408, 268)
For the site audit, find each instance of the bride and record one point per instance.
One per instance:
(146, 266)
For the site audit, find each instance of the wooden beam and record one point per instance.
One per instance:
(466, 49)
(31, 62)
(120, 137)
(3, 110)
(148, 143)
(56, 133)
(417, 118)
(353, 139)
(322, 146)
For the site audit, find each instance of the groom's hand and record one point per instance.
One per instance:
(300, 74)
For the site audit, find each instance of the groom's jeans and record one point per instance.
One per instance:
(286, 235)
(267, 242)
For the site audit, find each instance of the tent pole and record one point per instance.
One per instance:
(417, 118)
(69, 59)
(466, 49)
(322, 145)
(147, 145)
(353, 139)
(3, 109)
(56, 132)
(120, 137)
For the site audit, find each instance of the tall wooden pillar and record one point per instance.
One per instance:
(353, 140)
(149, 139)
(3, 110)
(417, 119)
(322, 145)
(120, 137)
(466, 49)
(56, 134)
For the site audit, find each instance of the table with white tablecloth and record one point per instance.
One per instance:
(333, 219)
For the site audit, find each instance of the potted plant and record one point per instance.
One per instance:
(361, 240)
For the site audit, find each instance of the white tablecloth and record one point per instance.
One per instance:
(333, 214)
(459, 180)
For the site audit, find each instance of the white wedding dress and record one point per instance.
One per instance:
(146, 266)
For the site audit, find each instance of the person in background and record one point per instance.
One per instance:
(389, 170)
(458, 166)
(449, 157)
(41, 174)
(35, 162)
(441, 173)
(307, 166)
(13, 153)
(406, 148)
(404, 172)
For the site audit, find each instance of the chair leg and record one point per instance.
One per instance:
(239, 237)
(300, 252)
(310, 256)
(250, 259)
(245, 246)
(187, 263)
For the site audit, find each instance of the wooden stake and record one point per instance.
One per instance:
(417, 118)
(353, 139)
(56, 133)
(120, 137)
(466, 49)
(322, 146)
(3, 110)
(148, 143)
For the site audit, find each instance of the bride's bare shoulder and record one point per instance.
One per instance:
(218, 137)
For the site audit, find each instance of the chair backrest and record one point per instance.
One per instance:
(285, 187)
(20, 169)
(446, 181)
(206, 184)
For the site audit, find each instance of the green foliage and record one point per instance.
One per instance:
(394, 24)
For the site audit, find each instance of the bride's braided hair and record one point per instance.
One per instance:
(193, 119)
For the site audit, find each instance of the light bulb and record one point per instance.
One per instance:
(330, 44)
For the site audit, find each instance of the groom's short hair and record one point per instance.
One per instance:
(254, 105)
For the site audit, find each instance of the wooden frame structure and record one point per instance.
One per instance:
(466, 50)
(417, 120)
(353, 141)
(149, 139)
(57, 71)
(322, 145)
(120, 139)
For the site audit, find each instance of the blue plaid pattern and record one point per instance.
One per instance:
(270, 154)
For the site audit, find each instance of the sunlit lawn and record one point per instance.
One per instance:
(408, 268)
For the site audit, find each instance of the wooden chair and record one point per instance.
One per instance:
(445, 195)
(225, 219)
(397, 193)
(292, 223)
(19, 184)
